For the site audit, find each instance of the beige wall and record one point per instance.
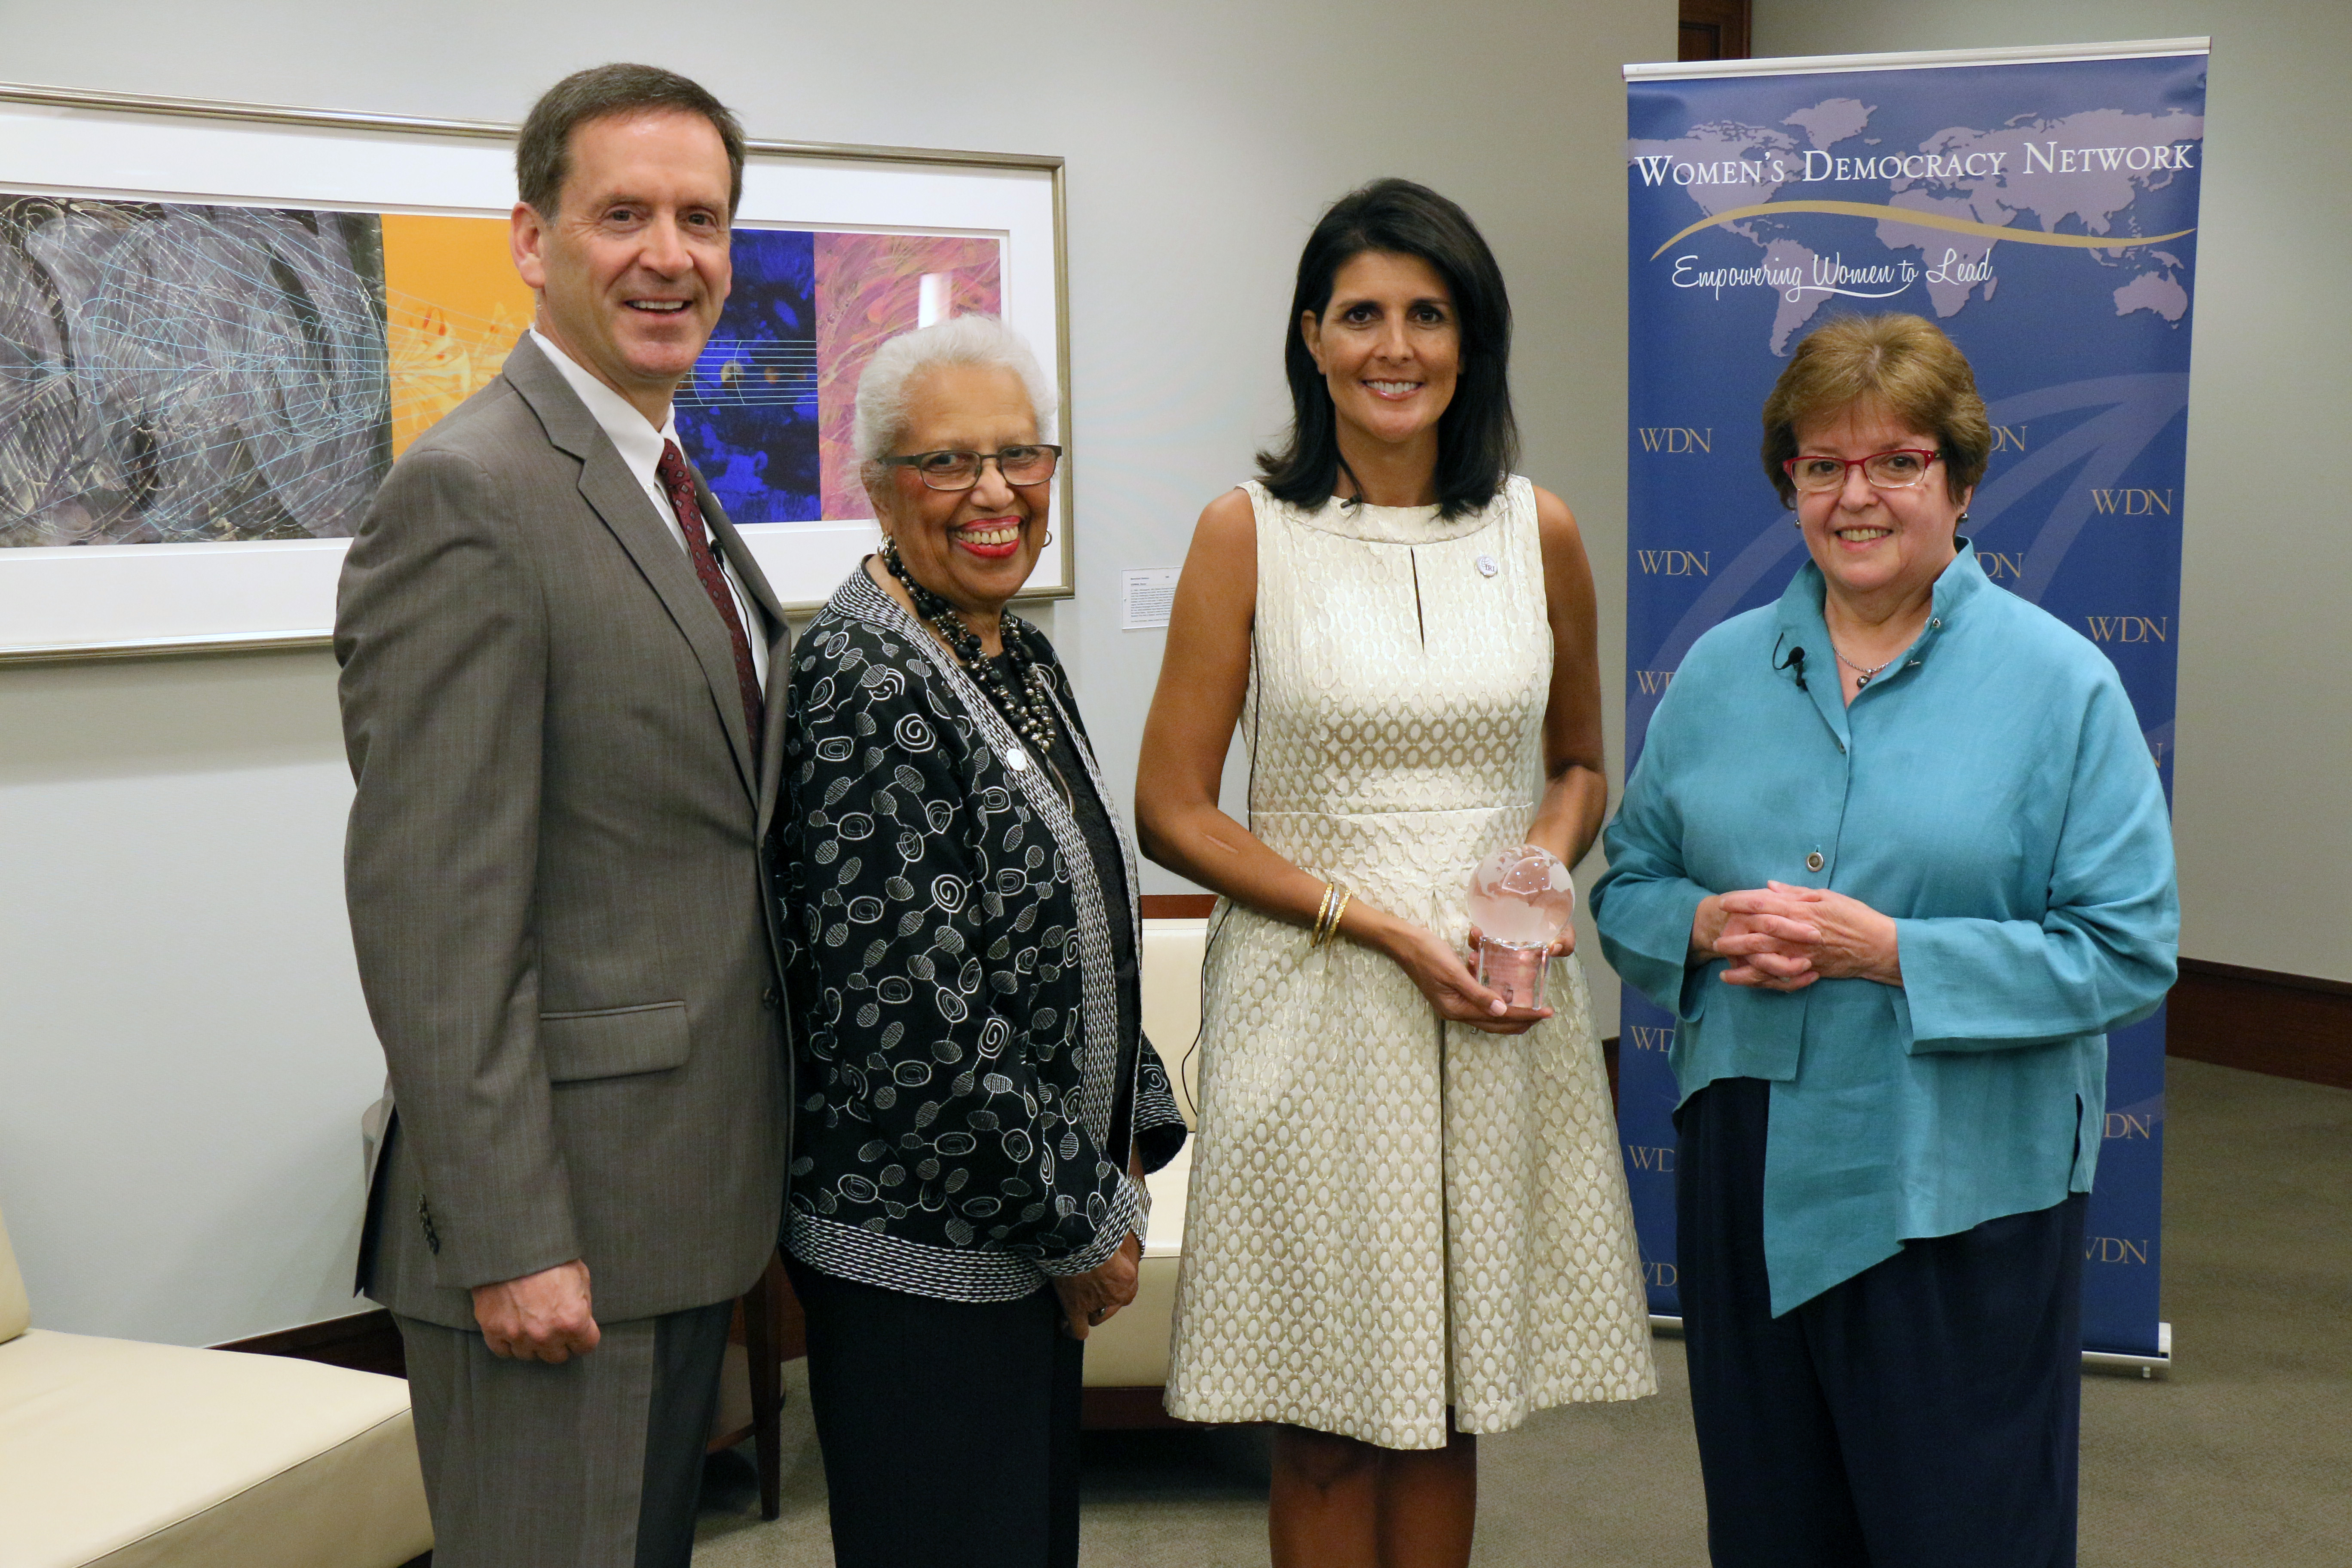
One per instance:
(2263, 799)
(183, 1051)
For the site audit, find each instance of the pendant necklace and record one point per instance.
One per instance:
(1030, 710)
(1861, 676)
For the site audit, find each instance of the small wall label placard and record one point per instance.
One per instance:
(1145, 597)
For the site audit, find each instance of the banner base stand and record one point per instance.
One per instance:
(2092, 1361)
(2155, 1366)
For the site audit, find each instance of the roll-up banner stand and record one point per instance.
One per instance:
(2041, 206)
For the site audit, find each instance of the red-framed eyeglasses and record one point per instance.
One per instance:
(1899, 469)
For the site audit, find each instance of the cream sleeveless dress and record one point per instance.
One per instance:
(1389, 1213)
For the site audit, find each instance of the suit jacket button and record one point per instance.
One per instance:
(1813, 861)
(770, 999)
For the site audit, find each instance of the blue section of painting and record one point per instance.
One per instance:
(2082, 355)
(747, 415)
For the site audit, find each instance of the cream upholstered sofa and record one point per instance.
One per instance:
(1130, 1352)
(127, 1454)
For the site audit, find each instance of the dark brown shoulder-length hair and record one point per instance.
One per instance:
(1477, 438)
(1902, 363)
(544, 151)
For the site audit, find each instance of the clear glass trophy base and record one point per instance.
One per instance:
(1513, 973)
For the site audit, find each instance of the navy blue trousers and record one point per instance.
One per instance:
(949, 1429)
(1924, 1414)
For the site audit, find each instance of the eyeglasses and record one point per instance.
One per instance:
(1896, 471)
(1026, 465)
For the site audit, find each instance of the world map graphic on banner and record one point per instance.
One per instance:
(1952, 194)
(2045, 213)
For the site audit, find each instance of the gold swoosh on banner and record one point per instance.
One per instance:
(1919, 219)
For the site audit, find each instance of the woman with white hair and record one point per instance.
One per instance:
(980, 1105)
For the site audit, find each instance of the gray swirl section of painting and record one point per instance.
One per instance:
(175, 374)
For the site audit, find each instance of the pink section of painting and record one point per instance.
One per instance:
(870, 287)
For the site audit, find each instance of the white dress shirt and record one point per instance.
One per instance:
(640, 445)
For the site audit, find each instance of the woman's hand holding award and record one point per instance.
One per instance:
(1520, 901)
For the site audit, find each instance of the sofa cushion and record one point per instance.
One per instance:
(1131, 1350)
(1170, 965)
(16, 1311)
(126, 1454)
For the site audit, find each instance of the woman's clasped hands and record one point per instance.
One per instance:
(1784, 938)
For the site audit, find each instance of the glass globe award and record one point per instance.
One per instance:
(1521, 899)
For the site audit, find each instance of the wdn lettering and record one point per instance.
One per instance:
(2129, 628)
(2133, 502)
(1676, 439)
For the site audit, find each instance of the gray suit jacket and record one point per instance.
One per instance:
(559, 890)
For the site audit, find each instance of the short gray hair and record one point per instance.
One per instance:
(983, 340)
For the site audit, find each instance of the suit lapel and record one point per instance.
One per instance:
(778, 632)
(614, 494)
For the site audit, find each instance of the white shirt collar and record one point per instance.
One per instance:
(640, 447)
(637, 441)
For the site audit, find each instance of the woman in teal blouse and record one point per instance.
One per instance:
(1896, 858)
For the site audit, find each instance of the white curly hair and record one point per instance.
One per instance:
(882, 391)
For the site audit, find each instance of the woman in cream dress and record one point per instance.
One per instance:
(1407, 1223)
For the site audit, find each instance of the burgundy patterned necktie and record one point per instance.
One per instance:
(677, 481)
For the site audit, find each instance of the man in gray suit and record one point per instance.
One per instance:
(555, 655)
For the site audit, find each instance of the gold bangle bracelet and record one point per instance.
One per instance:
(1338, 913)
(1322, 913)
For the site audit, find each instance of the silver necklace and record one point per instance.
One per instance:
(1861, 676)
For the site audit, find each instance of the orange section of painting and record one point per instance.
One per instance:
(453, 307)
(869, 287)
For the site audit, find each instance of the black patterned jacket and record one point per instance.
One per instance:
(953, 986)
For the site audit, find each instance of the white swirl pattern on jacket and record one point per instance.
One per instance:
(978, 952)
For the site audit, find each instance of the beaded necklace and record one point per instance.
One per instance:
(1029, 710)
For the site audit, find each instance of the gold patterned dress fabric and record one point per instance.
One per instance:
(1389, 1213)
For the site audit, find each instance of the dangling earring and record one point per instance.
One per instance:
(890, 551)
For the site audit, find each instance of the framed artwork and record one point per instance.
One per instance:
(221, 323)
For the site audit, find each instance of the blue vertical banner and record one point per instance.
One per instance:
(2041, 206)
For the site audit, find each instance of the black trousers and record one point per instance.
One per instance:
(1924, 1414)
(949, 1429)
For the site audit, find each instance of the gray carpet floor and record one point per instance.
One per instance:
(2242, 1453)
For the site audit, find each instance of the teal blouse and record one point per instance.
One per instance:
(1993, 794)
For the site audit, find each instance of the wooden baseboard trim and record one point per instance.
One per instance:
(1176, 906)
(2289, 1025)
(2259, 1020)
(2206, 968)
(364, 1341)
